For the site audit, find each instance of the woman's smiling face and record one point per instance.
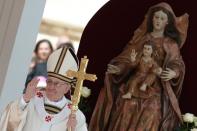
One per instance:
(44, 51)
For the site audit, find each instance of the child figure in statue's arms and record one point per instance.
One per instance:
(146, 71)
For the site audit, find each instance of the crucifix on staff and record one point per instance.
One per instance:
(81, 75)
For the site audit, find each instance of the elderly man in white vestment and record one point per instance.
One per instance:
(47, 110)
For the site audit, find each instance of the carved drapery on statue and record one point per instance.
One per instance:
(158, 112)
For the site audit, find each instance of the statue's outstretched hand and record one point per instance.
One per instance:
(133, 55)
(168, 74)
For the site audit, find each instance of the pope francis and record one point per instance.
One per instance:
(47, 110)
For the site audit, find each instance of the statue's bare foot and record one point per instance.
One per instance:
(127, 96)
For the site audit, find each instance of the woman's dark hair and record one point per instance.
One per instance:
(170, 29)
(43, 41)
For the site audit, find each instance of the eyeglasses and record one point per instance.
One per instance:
(56, 84)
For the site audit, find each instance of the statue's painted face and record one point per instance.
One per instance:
(147, 50)
(160, 20)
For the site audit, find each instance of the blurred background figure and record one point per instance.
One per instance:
(42, 50)
(68, 45)
(38, 65)
(64, 41)
(33, 62)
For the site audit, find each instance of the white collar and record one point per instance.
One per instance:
(61, 103)
(47, 118)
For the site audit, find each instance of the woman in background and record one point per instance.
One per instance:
(42, 51)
